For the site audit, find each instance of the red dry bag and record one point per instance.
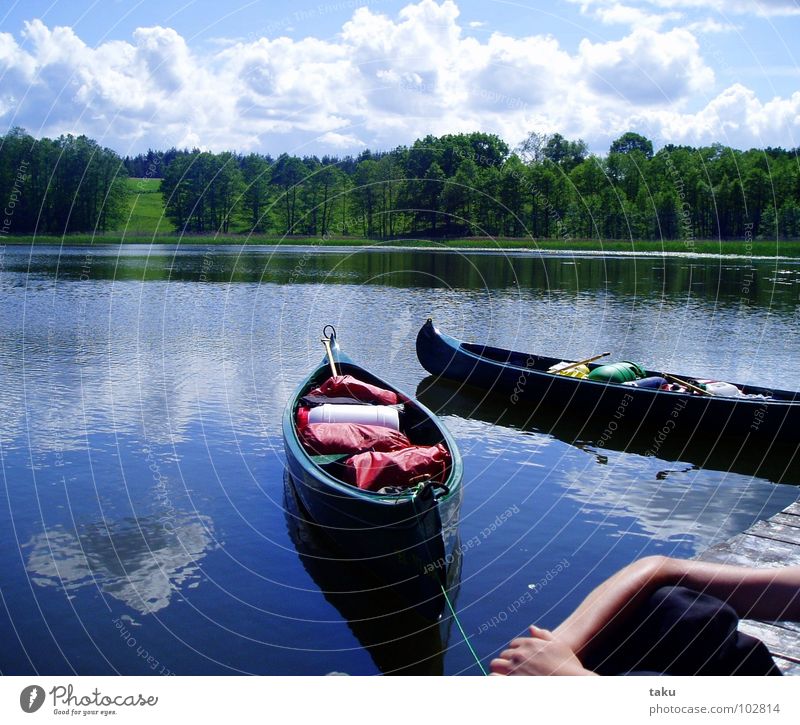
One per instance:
(373, 471)
(326, 438)
(349, 387)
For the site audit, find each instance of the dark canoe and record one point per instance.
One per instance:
(770, 426)
(407, 539)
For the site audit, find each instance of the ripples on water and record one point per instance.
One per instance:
(145, 527)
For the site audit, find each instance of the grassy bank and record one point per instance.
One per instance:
(756, 248)
(146, 209)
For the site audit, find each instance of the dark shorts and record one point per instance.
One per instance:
(682, 632)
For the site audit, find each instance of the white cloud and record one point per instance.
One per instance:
(382, 81)
(163, 53)
(341, 140)
(647, 66)
(709, 25)
(621, 14)
(760, 8)
(764, 8)
(738, 118)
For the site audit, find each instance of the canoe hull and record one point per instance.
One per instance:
(522, 380)
(409, 549)
(400, 641)
(407, 540)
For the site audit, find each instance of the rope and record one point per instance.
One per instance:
(450, 606)
(463, 633)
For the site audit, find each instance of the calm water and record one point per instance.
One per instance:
(144, 526)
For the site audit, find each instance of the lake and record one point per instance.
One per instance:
(145, 526)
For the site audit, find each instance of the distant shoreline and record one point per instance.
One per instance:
(741, 249)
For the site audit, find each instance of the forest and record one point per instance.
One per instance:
(59, 186)
(457, 185)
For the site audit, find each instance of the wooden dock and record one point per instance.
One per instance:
(771, 543)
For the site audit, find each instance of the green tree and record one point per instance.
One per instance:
(256, 177)
(630, 142)
(287, 175)
(366, 194)
(564, 153)
(201, 191)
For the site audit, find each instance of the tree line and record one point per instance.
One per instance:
(448, 186)
(58, 186)
(475, 185)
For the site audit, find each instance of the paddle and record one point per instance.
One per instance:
(327, 342)
(583, 362)
(694, 388)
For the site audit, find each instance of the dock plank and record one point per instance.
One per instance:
(772, 543)
(792, 509)
(747, 550)
(786, 519)
(781, 642)
(787, 666)
(776, 532)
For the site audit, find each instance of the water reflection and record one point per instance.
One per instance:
(447, 398)
(174, 364)
(400, 641)
(670, 504)
(671, 500)
(141, 562)
(719, 280)
(118, 359)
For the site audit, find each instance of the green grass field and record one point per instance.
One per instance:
(146, 213)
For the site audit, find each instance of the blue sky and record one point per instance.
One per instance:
(335, 76)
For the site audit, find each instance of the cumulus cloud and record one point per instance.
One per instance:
(736, 117)
(648, 66)
(382, 81)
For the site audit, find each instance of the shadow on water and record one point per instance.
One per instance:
(448, 398)
(400, 641)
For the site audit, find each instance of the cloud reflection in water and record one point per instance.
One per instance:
(141, 562)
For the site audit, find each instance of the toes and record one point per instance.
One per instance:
(500, 666)
(540, 633)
